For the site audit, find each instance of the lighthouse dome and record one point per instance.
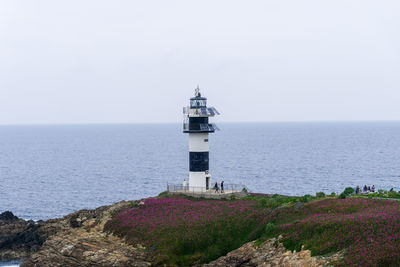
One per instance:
(198, 101)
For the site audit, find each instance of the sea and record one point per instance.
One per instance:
(48, 171)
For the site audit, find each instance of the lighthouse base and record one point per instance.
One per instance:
(199, 181)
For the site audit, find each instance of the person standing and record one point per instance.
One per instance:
(184, 184)
(216, 187)
(222, 186)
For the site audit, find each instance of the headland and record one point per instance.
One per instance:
(181, 230)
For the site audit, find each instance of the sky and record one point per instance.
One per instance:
(97, 61)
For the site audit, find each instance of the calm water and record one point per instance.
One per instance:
(10, 263)
(50, 171)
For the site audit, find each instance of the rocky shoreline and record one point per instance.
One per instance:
(74, 240)
(19, 238)
(78, 239)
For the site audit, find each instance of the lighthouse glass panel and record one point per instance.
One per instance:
(198, 103)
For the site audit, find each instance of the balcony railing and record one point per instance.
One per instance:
(228, 189)
(202, 127)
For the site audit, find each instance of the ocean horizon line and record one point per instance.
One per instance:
(220, 122)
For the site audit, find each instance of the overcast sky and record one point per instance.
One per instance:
(139, 61)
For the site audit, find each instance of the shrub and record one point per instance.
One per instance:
(333, 194)
(305, 198)
(263, 203)
(384, 194)
(163, 194)
(274, 200)
(348, 191)
(269, 228)
(342, 195)
(271, 202)
(320, 194)
(393, 194)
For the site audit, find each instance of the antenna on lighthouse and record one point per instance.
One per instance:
(197, 91)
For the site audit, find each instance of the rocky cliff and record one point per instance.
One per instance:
(74, 240)
(82, 242)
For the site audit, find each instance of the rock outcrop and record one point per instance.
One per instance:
(80, 241)
(74, 240)
(270, 253)
(18, 238)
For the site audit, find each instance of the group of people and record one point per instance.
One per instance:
(365, 189)
(216, 187)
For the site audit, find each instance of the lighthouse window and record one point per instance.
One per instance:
(205, 140)
(198, 103)
(198, 161)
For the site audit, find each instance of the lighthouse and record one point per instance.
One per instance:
(196, 123)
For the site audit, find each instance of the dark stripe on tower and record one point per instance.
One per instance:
(194, 122)
(198, 161)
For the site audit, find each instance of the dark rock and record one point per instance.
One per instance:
(75, 222)
(8, 216)
(19, 238)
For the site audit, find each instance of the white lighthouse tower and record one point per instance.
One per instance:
(197, 125)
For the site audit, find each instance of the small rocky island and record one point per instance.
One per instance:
(176, 230)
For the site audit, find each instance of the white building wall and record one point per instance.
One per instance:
(197, 179)
(198, 142)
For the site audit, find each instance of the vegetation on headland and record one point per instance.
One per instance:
(184, 231)
(384, 194)
(368, 230)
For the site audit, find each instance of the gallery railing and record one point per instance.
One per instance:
(228, 188)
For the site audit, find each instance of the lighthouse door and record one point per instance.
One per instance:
(207, 182)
